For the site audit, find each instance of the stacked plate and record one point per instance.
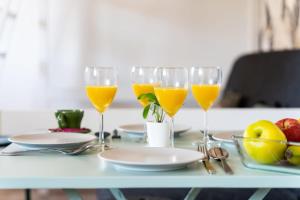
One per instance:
(52, 140)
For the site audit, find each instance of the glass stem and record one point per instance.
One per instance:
(205, 138)
(145, 132)
(172, 131)
(101, 131)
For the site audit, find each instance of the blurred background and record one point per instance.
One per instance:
(45, 44)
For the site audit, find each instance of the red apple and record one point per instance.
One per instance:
(291, 128)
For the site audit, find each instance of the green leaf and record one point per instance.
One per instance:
(146, 111)
(148, 96)
(151, 96)
(142, 96)
(153, 106)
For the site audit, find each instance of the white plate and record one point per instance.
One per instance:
(53, 140)
(138, 129)
(225, 136)
(150, 158)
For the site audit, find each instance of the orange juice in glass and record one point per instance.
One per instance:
(142, 88)
(101, 96)
(171, 99)
(171, 91)
(101, 88)
(205, 95)
(206, 82)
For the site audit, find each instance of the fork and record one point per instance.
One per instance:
(208, 166)
(76, 151)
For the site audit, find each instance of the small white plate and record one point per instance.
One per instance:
(52, 140)
(150, 158)
(138, 129)
(225, 136)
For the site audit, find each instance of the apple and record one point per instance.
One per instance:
(264, 151)
(291, 128)
(292, 155)
(287, 123)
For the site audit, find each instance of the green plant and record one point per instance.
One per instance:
(153, 107)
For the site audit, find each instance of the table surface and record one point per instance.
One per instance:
(53, 170)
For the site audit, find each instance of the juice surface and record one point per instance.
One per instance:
(171, 99)
(205, 95)
(101, 96)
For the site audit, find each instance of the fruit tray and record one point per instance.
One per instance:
(270, 155)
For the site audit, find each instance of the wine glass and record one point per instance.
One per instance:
(171, 91)
(143, 81)
(205, 84)
(101, 88)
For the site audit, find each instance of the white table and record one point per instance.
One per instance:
(87, 171)
(14, 122)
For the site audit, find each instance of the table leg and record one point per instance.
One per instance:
(192, 194)
(117, 193)
(260, 194)
(72, 194)
(27, 194)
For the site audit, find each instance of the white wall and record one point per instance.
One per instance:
(129, 32)
(21, 78)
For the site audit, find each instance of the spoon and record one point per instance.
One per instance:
(221, 154)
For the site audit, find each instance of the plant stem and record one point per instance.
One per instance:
(156, 114)
(161, 115)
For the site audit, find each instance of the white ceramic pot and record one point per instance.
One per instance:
(158, 134)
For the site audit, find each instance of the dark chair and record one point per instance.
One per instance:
(270, 79)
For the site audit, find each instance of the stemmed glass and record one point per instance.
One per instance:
(143, 81)
(171, 91)
(205, 83)
(101, 87)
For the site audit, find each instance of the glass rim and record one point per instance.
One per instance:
(144, 67)
(238, 137)
(101, 85)
(206, 67)
(171, 67)
(172, 87)
(100, 67)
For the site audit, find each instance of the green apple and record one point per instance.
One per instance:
(264, 151)
(292, 155)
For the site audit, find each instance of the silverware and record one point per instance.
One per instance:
(208, 166)
(221, 155)
(81, 149)
(76, 151)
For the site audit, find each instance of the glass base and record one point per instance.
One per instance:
(105, 147)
